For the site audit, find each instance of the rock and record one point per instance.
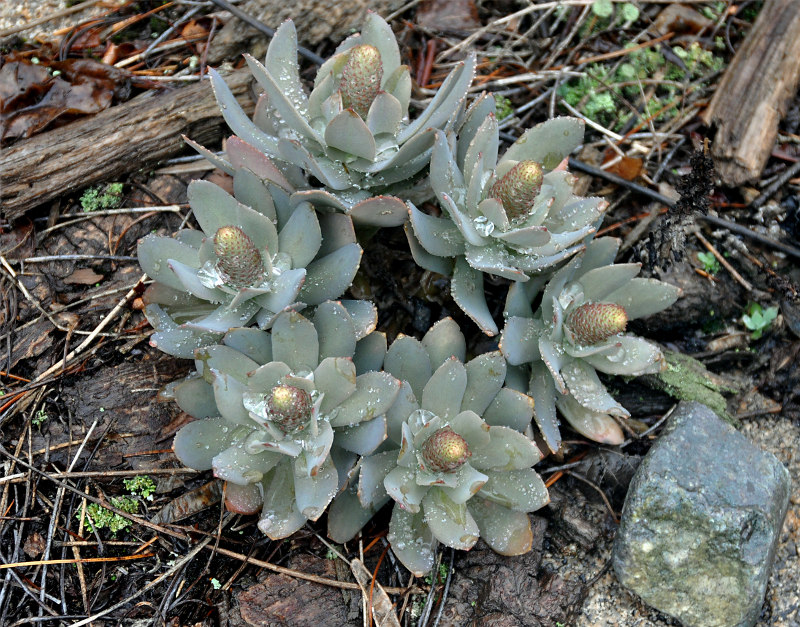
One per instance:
(701, 522)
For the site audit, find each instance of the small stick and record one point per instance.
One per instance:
(724, 262)
(779, 182)
(624, 51)
(103, 323)
(305, 576)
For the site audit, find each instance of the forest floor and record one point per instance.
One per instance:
(80, 420)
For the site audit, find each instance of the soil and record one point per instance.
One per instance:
(96, 412)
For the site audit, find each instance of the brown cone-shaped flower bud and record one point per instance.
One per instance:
(238, 259)
(289, 407)
(445, 451)
(361, 79)
(518, 188)
(595, 322)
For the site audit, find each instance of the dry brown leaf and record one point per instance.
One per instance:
(83, 276)
(382, 609)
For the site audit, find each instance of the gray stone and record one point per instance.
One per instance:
(701, 522)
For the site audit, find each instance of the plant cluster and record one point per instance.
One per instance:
(301, 405)
(601, 93)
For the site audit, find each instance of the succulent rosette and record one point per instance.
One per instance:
(457, 461)
(352, 132)
(512, 218)
(578, 330)
(270, 405)
(249, 262)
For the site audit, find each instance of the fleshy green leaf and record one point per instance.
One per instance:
(443, 341)
(328, 278)
(295, 342)
(375, 393)
(510, 409)
(348, 132)
(548, 143)
(508, 450)
(444, 392)
(449, 522)
(280, 516)
(412, 541)
(485, 376)
(408, 360)
(313, 493)
(196, 397)
(301, 236)
(197, 443)
(520, 490)
(644, 297)
(543, 391)
(467, 290)
(593, 425)
(337, 337)
(507, 532)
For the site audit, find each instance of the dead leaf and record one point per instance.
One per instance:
(382, 609)
(189, 503)
(680, 19)
(628, 168)
(33, 95)
(34, 545)
(83, 276)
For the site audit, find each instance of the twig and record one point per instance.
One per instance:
(306, 576)
(624, 51)
(48, 258)
(580, 477)
(724, 262)
(87, 560)
(779, 182)
(428, 607)
(103, 503)
(763, 239)
(57, 510)
(102, 325)
(191, 12)
(575, 164)
(446, 588)
(175, 567)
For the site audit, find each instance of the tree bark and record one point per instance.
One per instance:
(754, 93)
(134, 135)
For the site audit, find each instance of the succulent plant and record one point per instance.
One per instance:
(352, 132)
(514, 218)
(247, 264)
(457, 461)
(577, 330)
(270, 403)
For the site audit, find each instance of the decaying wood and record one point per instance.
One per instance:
(755, 92)
(122, 139)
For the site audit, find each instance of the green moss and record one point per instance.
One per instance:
(686, 379)
(107, 197)
(600, 93)
(140, 485)
(98, 517)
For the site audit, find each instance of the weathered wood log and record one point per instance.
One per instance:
(755, 92)
(136, 134)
